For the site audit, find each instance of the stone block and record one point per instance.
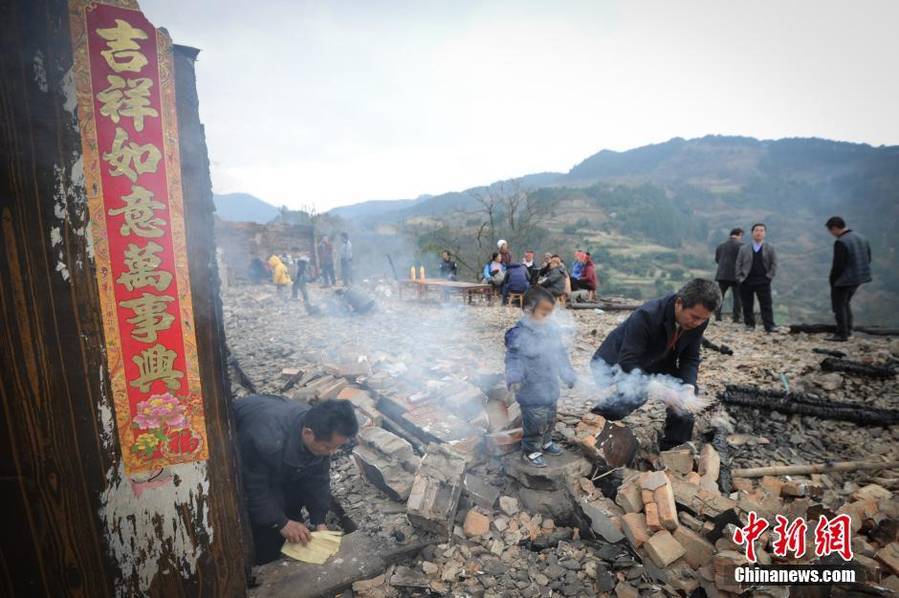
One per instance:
(771, 484)
(475, 524)
(664, 498)
(291, 373)
(629, 497)
(678, 459)
(634, 527)
(663, 549)
(652, 517)
(699, 551)
(436, 489)
(889, 557)
(625, 590)
(709, 463)
(362, 401)
(508, 505)
(652, 480)
(872, 491)
(555, 476)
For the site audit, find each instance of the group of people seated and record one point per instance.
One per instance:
(508, 276)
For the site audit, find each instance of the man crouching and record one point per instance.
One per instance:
(662, 336)
(535, 360)
(285, 448)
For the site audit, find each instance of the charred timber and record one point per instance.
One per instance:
(806, 404)
(719, 442)
(857, 368)
(832, 329)
(831, 352)
(723, 349)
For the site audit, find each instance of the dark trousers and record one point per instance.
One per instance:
(748, 292)
(839, 302)
(267, 541)
(299, 284)
(735, 295)
(538, 423)
(328, 273)
(578, 284)
(346, 271)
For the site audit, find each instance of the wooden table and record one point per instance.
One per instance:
(468, 290)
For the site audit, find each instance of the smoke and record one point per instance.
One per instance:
(620, 393)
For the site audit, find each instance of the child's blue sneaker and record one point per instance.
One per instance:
(551, 448)
(534, 459)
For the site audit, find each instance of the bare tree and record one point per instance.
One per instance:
(507, 206)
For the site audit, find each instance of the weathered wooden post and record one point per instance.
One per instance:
(116, 445)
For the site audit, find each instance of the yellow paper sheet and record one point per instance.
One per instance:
(320, 548)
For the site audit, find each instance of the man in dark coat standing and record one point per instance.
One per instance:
(285, 448)
(726, 276)
(756, 268)
(662, 336)
(851, 268)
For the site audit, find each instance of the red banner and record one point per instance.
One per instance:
(129, 133)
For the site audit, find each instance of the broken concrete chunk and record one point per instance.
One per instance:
(605, 517)
(555, 476)
(290, 373)
(872, 491)
(508, 505)
(481, 492)
(387, 461)
(436, 489)
(663, 549)
(652, 480)
(678, 459)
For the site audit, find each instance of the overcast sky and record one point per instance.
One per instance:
(334, 102)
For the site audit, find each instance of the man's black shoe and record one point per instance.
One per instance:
(837, 338)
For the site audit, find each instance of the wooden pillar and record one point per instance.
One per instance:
(79, 525)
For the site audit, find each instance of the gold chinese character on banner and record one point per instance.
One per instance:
(127, 97)
(140, 214)
(123, 53)
(150, 316)
(130, 158)
(156, 364)
(142, 263)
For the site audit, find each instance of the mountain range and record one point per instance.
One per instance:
(662, 208)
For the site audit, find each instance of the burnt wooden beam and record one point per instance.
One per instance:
(857, 368)
(806, 404)
(832, 329)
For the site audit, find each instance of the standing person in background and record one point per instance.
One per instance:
(726, 277)
(504, 252)
(326, 259)
(577, 268)
(279, 273)
(850, 269)
(756, 268)
(533, 269)
(448, 266)
(300, 278)
(346, 259)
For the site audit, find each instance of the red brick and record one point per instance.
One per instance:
(663, 549)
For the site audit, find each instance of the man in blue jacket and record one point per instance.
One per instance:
(663, 336)
(285, 448)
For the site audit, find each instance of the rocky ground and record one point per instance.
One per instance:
(413, 348)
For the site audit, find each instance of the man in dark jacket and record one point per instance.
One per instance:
(756, 268)
(851, 268)
(554, 280)
(285, 449)
(448, 268)
(726, 277)
(662, 336)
